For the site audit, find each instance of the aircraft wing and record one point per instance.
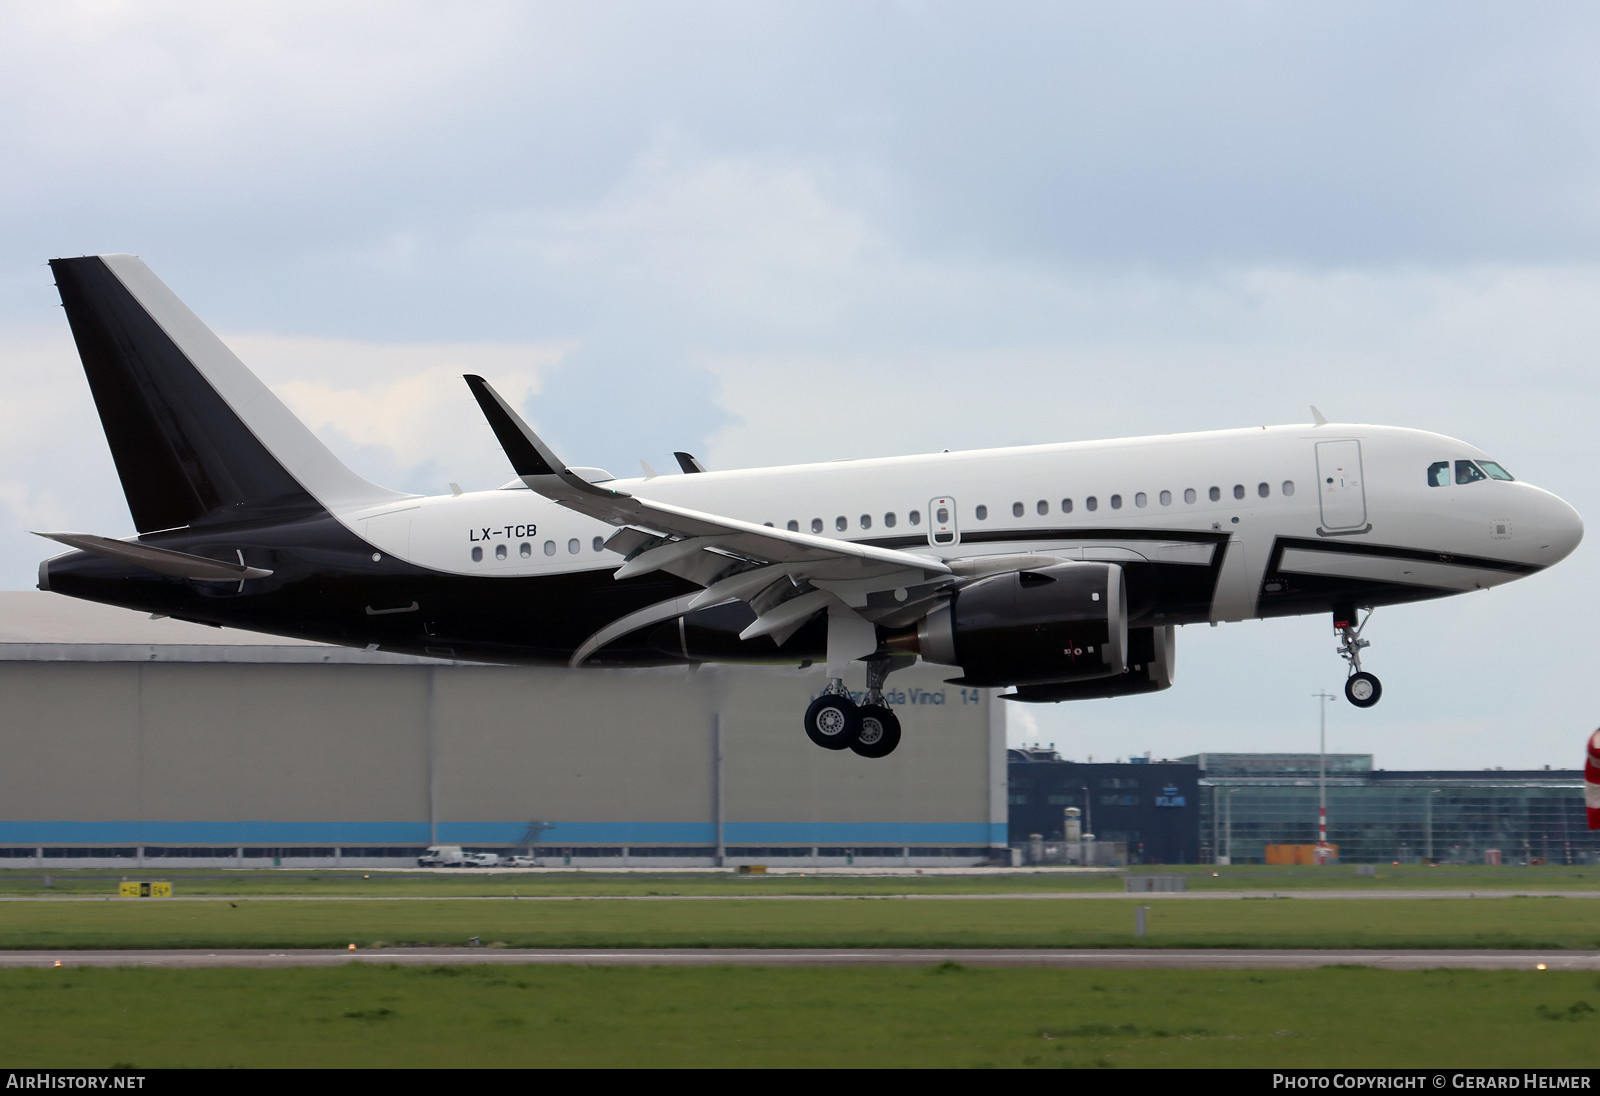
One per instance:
(785, 576)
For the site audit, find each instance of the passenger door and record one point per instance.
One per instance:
(942, 528)
(1344, 499)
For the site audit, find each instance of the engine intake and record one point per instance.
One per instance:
(1052, 624)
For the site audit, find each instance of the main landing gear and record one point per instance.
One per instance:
(1360, 688)
(834, 721)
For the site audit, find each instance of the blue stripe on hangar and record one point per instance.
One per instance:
(498, 833)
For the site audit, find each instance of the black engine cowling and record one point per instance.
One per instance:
(1065, 623)
(1152, 654)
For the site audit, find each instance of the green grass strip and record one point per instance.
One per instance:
(465, 882)
(862, 922)
(936, 1017)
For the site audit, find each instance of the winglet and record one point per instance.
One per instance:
(1317, 418)
(530, 456)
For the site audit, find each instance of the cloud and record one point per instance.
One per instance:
(403, 405)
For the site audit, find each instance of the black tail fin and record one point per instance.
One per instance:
(194, 434)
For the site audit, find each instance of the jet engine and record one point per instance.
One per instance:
(1151, 656)
(1063, 623)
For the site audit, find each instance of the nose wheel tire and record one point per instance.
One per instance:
(1363, 690)
(880, 731)
(833, 722)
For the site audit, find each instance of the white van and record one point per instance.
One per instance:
(443, 856)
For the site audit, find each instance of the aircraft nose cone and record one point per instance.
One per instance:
(1563, 531)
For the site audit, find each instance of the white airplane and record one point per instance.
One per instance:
(1060, 571)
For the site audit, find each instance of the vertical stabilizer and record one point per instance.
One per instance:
(194, 434)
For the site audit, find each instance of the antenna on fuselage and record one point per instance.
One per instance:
(1317, 418)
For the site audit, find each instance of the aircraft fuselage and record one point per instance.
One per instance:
(1209, 527)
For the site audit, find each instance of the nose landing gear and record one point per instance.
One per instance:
(1360, 688)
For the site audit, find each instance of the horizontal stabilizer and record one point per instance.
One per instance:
(161, 560)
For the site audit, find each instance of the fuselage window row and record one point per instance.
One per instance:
(1141, 500)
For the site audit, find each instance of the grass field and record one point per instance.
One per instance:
(463, 882)
(1515, 922)
(939, 1016)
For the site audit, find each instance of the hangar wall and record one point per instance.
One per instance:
(118, 746)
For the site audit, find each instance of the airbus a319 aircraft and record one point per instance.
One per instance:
(1058, 571)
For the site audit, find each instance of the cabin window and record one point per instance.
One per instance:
(866, 521)
(1188, 495)
(1467, 472)
(573, 546)
(599, 544)
(1238, 490)
(1140, 500)
(499, 551)
(1066, 506)
(1116, 502)
(525, 550)
(1166, 498)
(477, 555)
(1263, 490)
(1216, 494)
(816, 525)
(1288, 488)
(942, 515)
(841, 523)
(915, 517)
(769, 525)
(1017, 509)
(1439, 474)
(792, 525)
(1091, 503)
(1043, 507)
(889, 520)
(549, 547)
(982, 512)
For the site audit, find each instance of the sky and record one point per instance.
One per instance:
(768, 232)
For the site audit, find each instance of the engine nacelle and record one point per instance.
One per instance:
(1068, 622)
(1152, 654)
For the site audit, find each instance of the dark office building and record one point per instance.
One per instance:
(1152, 806)
(1249, 801)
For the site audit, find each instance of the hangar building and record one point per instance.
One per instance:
(128, 739)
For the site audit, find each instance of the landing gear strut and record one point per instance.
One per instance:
(880, 727)
(1360, 688)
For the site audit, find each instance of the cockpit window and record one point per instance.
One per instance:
(1439, 474)
(1467, 472)
(1494, 470)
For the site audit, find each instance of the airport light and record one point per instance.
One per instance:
(1322, 775)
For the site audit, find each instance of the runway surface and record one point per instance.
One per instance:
(1140, 958)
